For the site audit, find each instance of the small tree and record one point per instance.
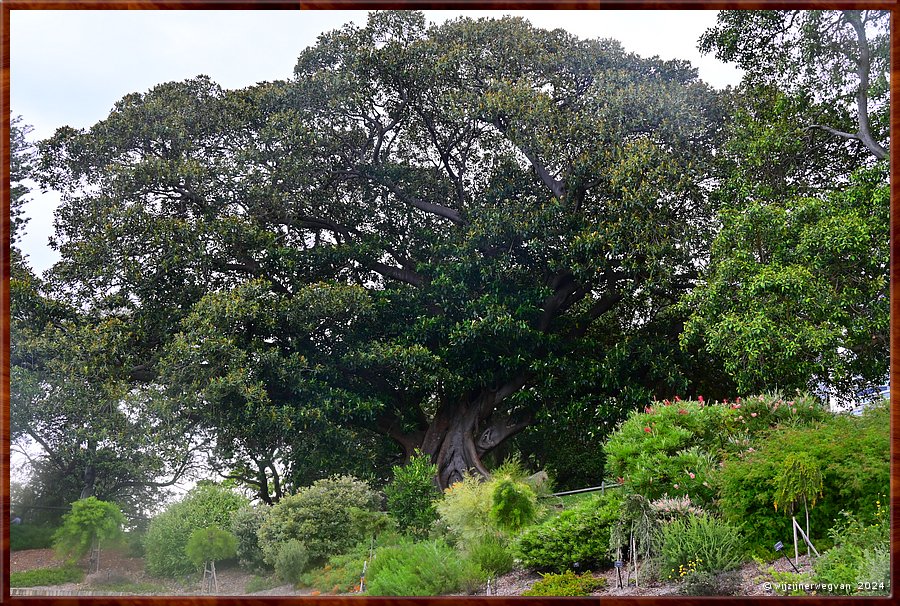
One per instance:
(88, 523)
(411, 495)
(208, 545)
(799, 481)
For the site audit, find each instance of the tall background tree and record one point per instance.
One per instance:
(416, 236)
(796, 293)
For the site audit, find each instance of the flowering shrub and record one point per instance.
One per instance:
(673, 448)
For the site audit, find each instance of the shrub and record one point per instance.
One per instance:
(90, 520)
(291, 561)
(245, 525)
(492, 554)
(427, 568)
(411, 495)
(29, 536)
(578, 536)
(858, 554)
(210, 544)
(320, 516)
(699, 544)
(46, 576)
(711, 583)
(675, 508)
(853, 455)
(566, 584)
(513, 504)
(205, 505)
(465, 510)
(674, 448)
(341, 574)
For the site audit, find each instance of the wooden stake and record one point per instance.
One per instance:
(796, 549)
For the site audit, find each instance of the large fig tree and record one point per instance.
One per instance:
(410, 237)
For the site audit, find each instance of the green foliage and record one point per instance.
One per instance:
(46, 576)
(245, 525)
(321, 517)
(566, 584)
(90, 521)
(674, 447)
(336, 281)
(638, 521)
(576, 536)
(787, 279)
(210, 545)
(341, 574)
(426, 568)
(492, 554)
(291, 561)
(859, 553)
(514, 504)
(466, 509)
(412, 493)
(700, 544)
(852, 454)
(786, 582)
(205, 505)
(30, 536)
(259, 583)
(703, 583)
(798, 481)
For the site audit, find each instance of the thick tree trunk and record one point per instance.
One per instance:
(462, 432)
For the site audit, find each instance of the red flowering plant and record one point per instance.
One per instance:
(674, 447)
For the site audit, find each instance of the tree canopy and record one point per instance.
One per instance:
(461, 238)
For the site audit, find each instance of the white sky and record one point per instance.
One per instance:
(68, 68)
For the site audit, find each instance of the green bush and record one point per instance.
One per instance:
(205, 505)
(492, 554)
(46, 576)
(427, 568)
(245, 525)
(513, 504)
(853, 455)
(321, 517)
(29, 536)
(291, 561)
(465, 510)
(411, 495)
(210, 544)
(674, 448)
(704, 583)
(576, 536)
(699, 544)
(90, 520)
(566, 584)
(858, 554)
(341, 574)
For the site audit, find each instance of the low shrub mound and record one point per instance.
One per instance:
(428, 568)
(46, 576)
(30, 536)
(576, 538)
(566, 584)
(327, 518)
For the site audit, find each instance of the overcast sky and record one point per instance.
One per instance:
(68, 68)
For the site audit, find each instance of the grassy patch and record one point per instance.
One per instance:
(46, 576)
